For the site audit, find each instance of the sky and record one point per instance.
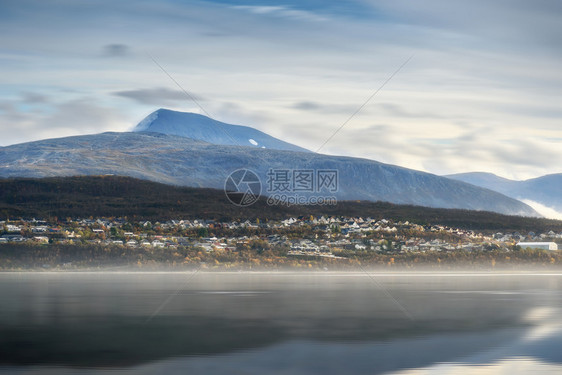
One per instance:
(482, 90)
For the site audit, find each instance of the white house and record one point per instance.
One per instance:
(538, 245)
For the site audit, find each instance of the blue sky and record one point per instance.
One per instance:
(481, 93)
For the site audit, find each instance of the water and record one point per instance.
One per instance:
(280, 323)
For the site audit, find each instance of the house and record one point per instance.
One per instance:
(12, 228)
(13, 237)
(538, 245)
(204, 246)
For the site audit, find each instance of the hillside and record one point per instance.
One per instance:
(546, 190)
(184, 161)
(135, 199)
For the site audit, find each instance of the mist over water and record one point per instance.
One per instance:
(280, 323)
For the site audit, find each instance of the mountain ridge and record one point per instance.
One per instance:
(187, 162)
(545, 190)
(203, 128)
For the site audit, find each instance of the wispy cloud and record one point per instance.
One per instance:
(548, 212)
(159, 96)
(61, 118)
(35, 98)
(308, 105)
(281, 11)
(116, 50)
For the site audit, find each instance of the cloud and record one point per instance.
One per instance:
(307, 106)
(548, 212)
(312, 106)
(116, 50)
(66, 118)
(281, 11)
(160, 96)
(34, 98)
(397, 111)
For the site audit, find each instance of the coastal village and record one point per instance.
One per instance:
(298, 236)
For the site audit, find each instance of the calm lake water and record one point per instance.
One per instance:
(280, 323)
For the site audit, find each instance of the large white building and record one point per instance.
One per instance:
(538, 245)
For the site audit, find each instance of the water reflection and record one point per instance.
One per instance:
(281, 323)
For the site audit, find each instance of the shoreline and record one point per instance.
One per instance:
(366, 273)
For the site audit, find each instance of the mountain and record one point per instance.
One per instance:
(187, 162)
(546, 190)
(202, 128)
(483, 179)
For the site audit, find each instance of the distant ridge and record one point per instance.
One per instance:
(203, 128)
(546, 190)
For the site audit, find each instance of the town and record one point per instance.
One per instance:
(300, 236)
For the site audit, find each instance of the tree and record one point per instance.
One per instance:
(203, 232)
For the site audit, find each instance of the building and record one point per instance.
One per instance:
(538, 245)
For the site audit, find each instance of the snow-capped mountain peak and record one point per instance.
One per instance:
(199, 127)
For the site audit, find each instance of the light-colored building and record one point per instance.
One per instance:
(538, 245)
